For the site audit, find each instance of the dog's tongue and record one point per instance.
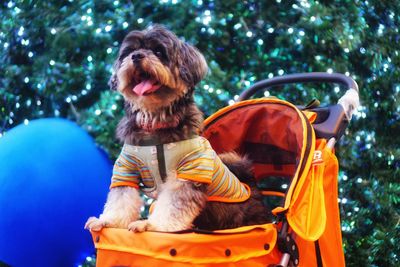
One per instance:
(145, 87)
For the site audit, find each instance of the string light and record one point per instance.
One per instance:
(211, 31)
(237, 26)
(21, 31)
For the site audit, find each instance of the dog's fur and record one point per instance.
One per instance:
(169, 114)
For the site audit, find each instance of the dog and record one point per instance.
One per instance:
(163, 154)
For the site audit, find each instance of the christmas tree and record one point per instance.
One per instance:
(57, 58)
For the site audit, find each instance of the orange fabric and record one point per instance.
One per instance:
(306, 214)
(227, 133)
(311, 116)
(330, 241)
(246, 246)
(265, 122)
(273, 193)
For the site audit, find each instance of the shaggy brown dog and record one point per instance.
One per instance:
(156, 73)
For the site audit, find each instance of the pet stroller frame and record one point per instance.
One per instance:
(291, 146)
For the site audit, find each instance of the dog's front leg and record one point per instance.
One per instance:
(178, 204)
(122, 207)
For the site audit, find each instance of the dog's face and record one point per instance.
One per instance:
(154, 69)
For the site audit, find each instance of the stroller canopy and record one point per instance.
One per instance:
(280, 141)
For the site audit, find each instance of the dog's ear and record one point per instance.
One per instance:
(193, 66)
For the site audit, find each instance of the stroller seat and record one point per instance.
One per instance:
(295, 169)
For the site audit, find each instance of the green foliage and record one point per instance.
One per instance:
(59, 62)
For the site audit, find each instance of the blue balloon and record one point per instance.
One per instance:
(52, 178)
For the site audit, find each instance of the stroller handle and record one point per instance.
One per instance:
(347, 104)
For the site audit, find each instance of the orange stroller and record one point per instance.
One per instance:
(295, 168)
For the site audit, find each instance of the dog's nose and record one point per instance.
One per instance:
(136, 57)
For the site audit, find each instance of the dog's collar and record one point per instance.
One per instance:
(149, 126)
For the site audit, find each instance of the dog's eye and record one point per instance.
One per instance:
(125, 53)
(159, 53)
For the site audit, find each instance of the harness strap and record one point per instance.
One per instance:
(161, 162)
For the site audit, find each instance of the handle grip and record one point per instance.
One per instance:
(339, 115)
(320, 77)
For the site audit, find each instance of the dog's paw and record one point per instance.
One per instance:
(139, 226)
(95, 224)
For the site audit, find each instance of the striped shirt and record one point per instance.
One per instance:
(192, 159)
